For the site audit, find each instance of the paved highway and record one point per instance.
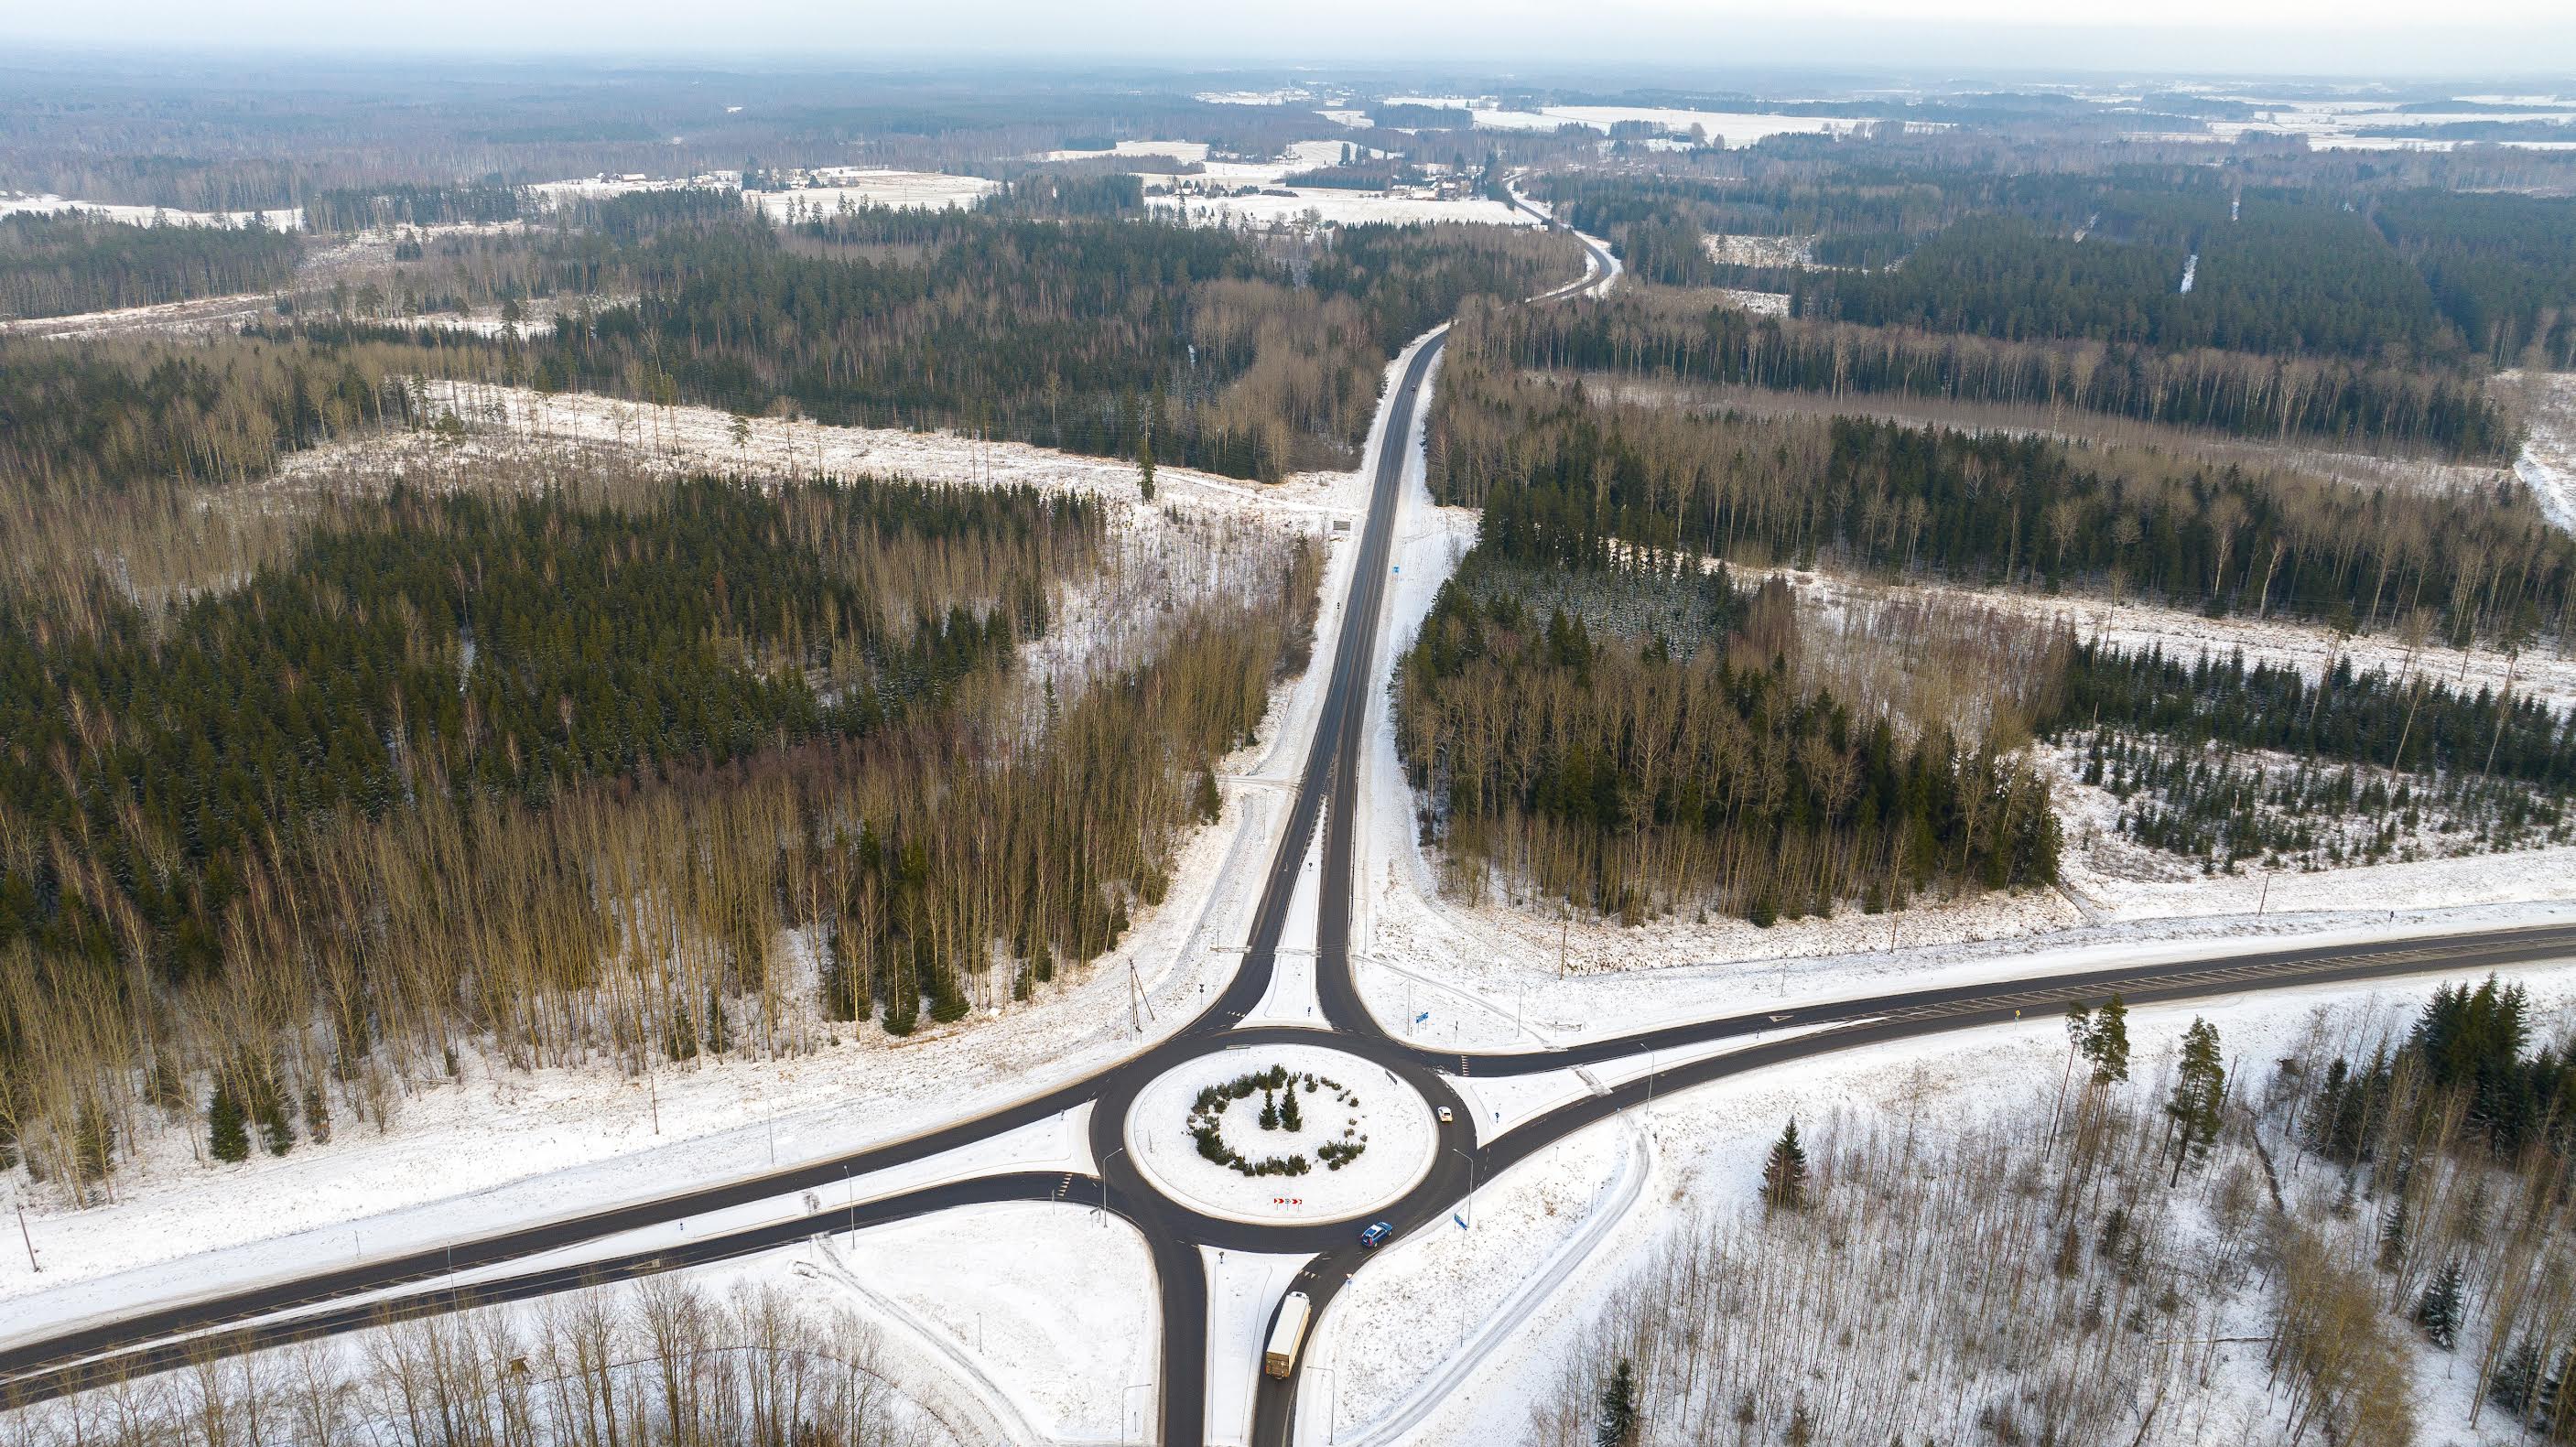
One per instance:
(349, 1298)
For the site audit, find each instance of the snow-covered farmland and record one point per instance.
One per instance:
(286, 218)
(901, 190)
(1329, 207)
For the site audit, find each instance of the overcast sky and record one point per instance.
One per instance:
(2532, 38)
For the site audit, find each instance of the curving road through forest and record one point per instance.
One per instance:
(350, 1298)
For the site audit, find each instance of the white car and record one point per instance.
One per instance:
(1445, 1117)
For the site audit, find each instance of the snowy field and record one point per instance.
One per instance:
(287, 218)
(902, 190)
(2343, 124)
(1348, 1100)
(517, 425)
(1733, 129)
(1327, 206)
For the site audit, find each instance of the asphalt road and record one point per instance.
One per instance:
(349, 1298)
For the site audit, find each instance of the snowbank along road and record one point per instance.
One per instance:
(356, 1297)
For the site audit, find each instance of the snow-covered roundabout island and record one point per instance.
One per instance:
(1217, 1134)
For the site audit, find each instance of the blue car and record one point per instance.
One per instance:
(1376, 1235)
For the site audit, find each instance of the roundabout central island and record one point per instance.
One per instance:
(1281, 1133)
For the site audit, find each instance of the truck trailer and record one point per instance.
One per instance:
(1287, 1334)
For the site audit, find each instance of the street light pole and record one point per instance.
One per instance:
(1471, 1183)
(1104, 1181)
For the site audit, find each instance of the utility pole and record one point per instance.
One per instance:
(30, 1240)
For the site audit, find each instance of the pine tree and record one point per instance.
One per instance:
(1618, 1424)
(1784, 1175)
(2199, 1086)
(227, 1134)
(1269, 1111)
(2392, 1232)
(2438, 1310)
(1290, 1117)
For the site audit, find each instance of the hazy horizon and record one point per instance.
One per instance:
(2478, 39)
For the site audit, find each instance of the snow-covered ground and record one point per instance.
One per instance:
(1709, 1144)
(1341, 1098)
(1328, 206)
(516, 425)
(2413, 473)
(1760, 303)
(1413, 1327)
(902, 190)
(2343, 123)
(1735, 129)
(285, 218)
(2548, 462)
(2137, 626)
(178, 318)
(1048, 1312)
(1734, 249)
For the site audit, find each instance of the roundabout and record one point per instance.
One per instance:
(1282, 1133)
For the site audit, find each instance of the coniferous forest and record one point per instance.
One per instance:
(1239, 355)
(1565, 474)
(1636, 775)
(558, 774)
(63, 263)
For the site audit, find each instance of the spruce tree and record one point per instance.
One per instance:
(2107, 1043)
(719, 1029)
(1290, 1117)
(2438, 1310)
(2516, 1384)
(2392, 1232)
(1617, 1426)
(227, 1133)
(1269, 1111)
(1784, 1175)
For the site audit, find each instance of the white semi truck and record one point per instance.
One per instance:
(1287, 1334)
